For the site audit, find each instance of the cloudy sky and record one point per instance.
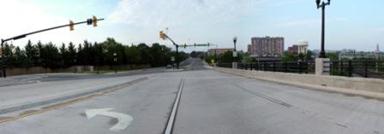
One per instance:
(350, 23)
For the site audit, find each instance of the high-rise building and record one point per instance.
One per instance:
(300, 48)
(266, 46)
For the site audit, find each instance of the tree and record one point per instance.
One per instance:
(71, 59)
(226, 57)
(19, 58)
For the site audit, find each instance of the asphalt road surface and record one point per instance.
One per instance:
(209, 102)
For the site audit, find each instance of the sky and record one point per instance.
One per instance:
(350, 24)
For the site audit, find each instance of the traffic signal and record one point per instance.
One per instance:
(163, 35)
(71, 25)
(94, 21)
(89, 21)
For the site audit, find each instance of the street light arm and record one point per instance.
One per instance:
(173, 42)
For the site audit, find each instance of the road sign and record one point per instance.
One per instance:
(123, 120)
(172, 58)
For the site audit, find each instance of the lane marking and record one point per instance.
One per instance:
(123, 120)
(67, 102)
(172, 117)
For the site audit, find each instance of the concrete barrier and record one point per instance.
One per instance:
(372, 88)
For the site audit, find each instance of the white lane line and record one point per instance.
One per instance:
(171, 120)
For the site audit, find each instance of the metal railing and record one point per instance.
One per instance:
(358, 68)
(350, 68)
(289, 67)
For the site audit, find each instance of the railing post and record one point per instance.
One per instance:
(350, 68)
(300, 67)
(274, 66)
(285, 67)
(342, 68)
(365, 68)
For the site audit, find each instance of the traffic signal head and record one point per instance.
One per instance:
(89, 21)
(94, 21)
(71, 25)
(163, 35)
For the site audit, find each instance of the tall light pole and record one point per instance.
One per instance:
(234, 63)
(322, 4)
(234, 49)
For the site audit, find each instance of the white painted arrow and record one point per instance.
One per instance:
(123, 120)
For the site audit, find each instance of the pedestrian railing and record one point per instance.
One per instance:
(291, 67)
(349, 68)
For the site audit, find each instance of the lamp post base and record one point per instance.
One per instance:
(234, 65)
(322, 66)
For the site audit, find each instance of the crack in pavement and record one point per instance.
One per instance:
(271, 99)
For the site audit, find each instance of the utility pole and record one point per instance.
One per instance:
(91, 21)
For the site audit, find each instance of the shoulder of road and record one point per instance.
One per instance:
(368, 88)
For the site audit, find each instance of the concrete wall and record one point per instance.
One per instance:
(342, 83)
(72, 69)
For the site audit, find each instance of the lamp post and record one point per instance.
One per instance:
(234, 63)
(115, 60)
(322, 4)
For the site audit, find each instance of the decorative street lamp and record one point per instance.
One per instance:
(234, 43)
(322, 4)
(234, 63)
(115, 60)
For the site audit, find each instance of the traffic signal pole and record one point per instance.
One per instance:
(88, 21)
(165, 36)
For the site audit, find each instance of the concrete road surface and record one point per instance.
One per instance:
(210, 103)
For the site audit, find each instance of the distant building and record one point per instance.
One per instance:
(218, 51)
(300, 48)
(266, 46)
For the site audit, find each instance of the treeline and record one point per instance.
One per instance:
(108, 52)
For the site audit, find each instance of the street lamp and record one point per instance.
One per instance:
(322, 4)
(234, 63)
(234, 43)
(115, 60)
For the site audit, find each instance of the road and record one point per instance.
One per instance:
(210, 103)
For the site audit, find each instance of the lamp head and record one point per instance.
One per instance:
(318, 3)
